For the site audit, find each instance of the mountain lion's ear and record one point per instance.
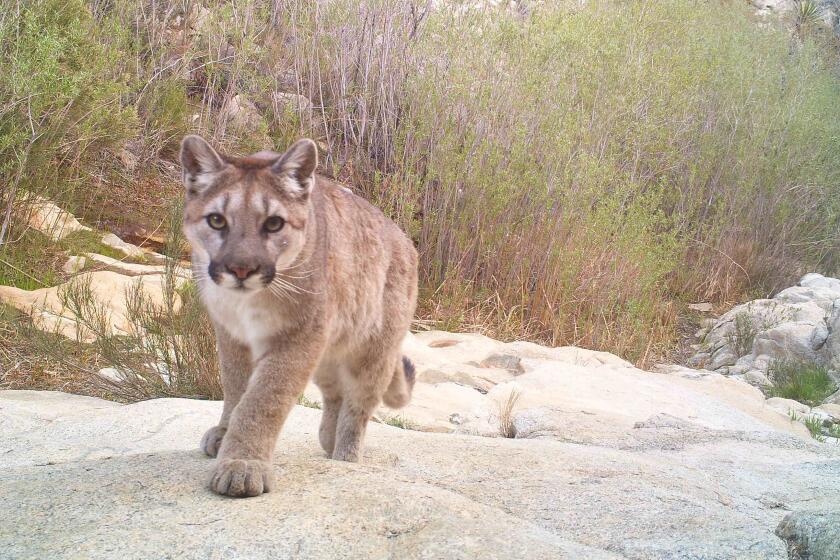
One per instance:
(299, 163)
(200, 162)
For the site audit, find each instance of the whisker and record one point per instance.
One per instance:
(287, 286)
(292, 287)
(279, 293)
(305, 275)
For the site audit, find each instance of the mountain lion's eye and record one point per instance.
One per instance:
(274, 224)
(216, 221)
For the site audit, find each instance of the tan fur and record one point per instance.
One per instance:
(330, 296)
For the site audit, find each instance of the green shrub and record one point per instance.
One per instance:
(743, 335)
(570, 176)
(169, 349)
(801, 381)
(165, 112)
(61, 104)
(303, 400)
(398, 422)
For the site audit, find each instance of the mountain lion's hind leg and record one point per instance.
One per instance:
(366, 383)
(328, 381)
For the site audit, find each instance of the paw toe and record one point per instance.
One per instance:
(242, 477)
(212, 440)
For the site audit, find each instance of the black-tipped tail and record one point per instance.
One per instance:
(409, 371)
(399, 390)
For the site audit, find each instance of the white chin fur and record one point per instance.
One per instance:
(252, 283)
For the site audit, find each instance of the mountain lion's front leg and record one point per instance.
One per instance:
(279, 376)
(235, 366)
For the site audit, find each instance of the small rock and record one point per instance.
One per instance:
(757, 377)
(128, 159)
(199, 16)
(111, 374)
(241, 114)
(723, 357)
(703, 307)
(456, 419)
(737, 369)
(504, 361)
(74, 264)
(291, 102)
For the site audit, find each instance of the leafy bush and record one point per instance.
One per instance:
(170, 348)
(743, 335)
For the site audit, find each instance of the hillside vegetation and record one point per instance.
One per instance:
(570, 174)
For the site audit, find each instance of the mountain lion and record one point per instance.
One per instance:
(302, 279)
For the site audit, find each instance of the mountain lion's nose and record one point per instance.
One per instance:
(241, 271)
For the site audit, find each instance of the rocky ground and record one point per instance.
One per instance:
(607, 461)
(507, 450)
(704, 470)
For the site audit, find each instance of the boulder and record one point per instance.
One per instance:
(811, 535)
(47, 218)
(793, 340)
(813, 280)
(788, 407)
(800, 323)
(129, 250)
(135, 269)
(594, 395)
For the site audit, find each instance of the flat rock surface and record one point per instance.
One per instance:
(86, 478)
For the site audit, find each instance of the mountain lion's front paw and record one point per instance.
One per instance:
(212, 440)
(242, 477)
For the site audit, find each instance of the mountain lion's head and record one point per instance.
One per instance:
(246, 218)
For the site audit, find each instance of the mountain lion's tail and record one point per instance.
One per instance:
(399, 391)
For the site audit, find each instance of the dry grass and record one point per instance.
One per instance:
(31, 359)
(506, 409)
